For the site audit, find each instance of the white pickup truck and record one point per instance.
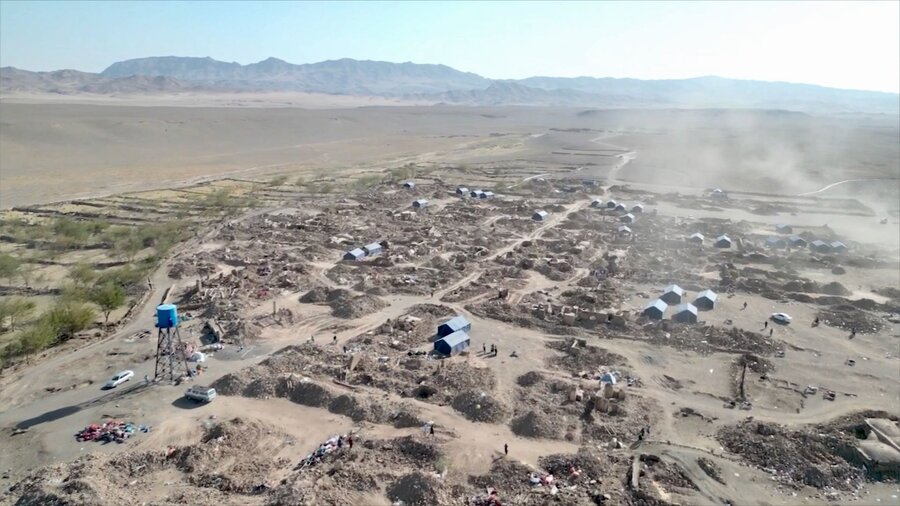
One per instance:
(200, 393)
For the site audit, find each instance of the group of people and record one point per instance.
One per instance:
(494, 349)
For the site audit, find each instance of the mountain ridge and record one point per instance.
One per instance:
(440, 83)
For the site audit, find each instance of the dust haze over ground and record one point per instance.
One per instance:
(733, 408)
(57, 151)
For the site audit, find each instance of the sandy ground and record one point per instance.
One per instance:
(58, 150)
(310, 139)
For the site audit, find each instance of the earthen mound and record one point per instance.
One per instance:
(479, 407)
(414, 489)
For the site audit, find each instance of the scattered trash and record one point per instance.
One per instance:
(114, 430)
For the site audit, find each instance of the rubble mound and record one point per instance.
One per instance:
(181, 270)
(414, 489)
(417, 450)
(711, 469)
(669, 474)
(797, 285)
(225, 466)
(560, 464)
(576, 359)
(535, 425)
(404, 419)
(711, 338)
(345, 305)
(834, 288)
(508, 475)
(317, 295)
(434, 310)
(530, 378)
(479, 407)
(811, 456)
(850, 318)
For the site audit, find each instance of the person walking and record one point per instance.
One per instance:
(350, 442)
(484, 348)
(505, 449)
(334, 339)
(431, 430)
(771, 331)
(766, 324)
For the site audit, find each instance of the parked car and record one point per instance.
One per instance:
(200, 393)
(118, 379)
(782, 318)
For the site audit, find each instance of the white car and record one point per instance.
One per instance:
(118, 379)
(782, 318)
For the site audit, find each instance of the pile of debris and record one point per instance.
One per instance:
(478, 406)
(230, 464)
(113, 430)
(705, 339)
(332, 448)
(343, 303)
(578, 357)
(812, 456)
(851, 319)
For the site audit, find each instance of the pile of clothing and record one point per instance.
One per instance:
(492, 498)
(329, 447)
(113, 430)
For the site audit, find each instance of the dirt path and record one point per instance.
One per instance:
(832, 185)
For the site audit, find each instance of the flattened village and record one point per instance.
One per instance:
(464, 338)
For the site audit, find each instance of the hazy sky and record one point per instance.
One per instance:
(842, 44)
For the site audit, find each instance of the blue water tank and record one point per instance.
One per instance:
(166, 316)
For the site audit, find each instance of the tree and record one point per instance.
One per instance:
(109, 297)
(16, 309)
(277, 181)
(83, 274)
(69, 318)
(129, 246)
(26, 272)
(9, 266)
(37, 337)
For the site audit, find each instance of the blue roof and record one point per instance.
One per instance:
(709, 294)
(838, 244)
(687, 306)
(457, 322)
(358, 252)
(723, 237)
(421, 202)
(456, 341)
(658, 304)
(674, 288)
(375, 246)
(455, 338)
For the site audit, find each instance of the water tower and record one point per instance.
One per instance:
(171, 362)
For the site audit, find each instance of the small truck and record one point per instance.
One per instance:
(200, 393)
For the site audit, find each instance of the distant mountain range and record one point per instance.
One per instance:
(440, 84)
